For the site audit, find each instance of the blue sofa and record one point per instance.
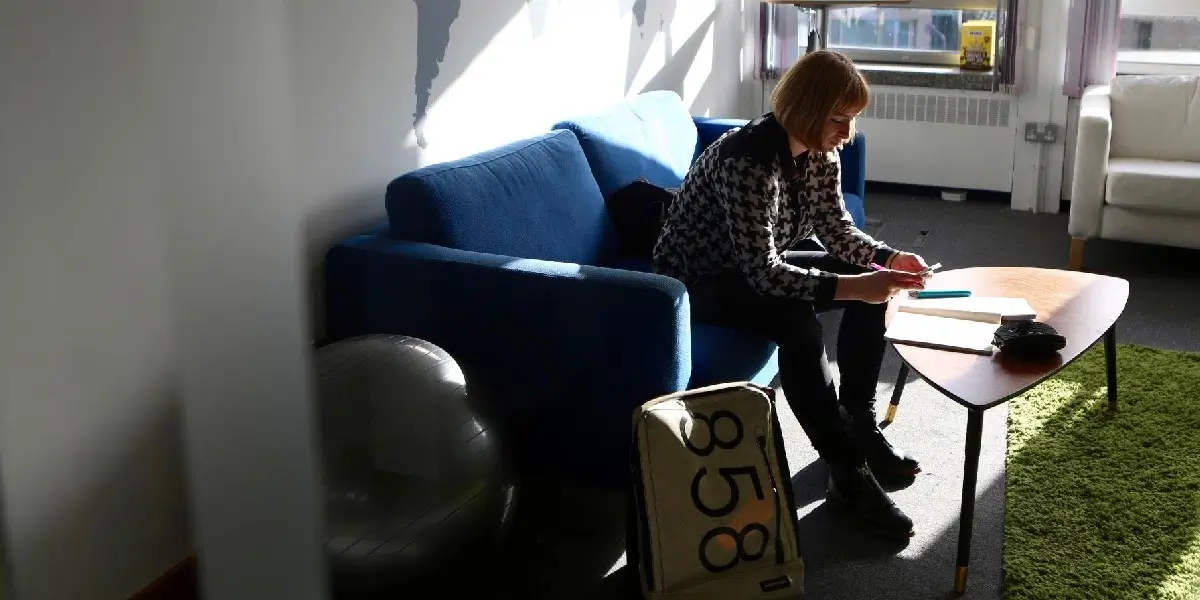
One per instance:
(508, 260)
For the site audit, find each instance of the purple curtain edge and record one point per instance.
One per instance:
(1093, 27)
(1006, 77)
(1073, 72)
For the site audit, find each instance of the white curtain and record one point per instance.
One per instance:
(780, 44)
(1093, 41)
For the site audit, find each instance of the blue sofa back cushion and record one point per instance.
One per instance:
(651, 136)
(534, 198)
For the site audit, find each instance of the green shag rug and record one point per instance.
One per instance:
(1102, 504)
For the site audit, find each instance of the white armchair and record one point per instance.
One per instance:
(1137, 163)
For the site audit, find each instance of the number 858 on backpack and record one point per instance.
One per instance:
(713, 514)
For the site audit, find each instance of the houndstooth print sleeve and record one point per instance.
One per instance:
(831, 222)
(751, 201)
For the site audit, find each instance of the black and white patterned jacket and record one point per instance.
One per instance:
(747, 200)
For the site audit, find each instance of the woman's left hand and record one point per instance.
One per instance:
(907, 262)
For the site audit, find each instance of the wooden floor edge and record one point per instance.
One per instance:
(180, 582)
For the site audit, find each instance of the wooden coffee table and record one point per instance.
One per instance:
(1083, 307)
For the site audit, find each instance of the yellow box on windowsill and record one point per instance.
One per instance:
(978, 45)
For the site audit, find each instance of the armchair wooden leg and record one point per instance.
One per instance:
(1075, 263)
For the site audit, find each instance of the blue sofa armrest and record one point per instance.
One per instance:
(532, 331)
(711, 128)
(854, 166)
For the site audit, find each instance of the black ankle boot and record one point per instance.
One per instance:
(882, 456)
(854, 489)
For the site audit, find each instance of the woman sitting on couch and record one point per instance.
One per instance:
(748, 201)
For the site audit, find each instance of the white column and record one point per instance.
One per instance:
(1041, 101)
(220, 77)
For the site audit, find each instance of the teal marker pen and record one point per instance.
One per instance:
(939, 293)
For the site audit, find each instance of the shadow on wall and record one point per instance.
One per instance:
(434, 19)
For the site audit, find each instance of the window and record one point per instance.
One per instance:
(922, 35)
(1159, 36)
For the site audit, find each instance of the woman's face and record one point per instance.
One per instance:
(837, 130)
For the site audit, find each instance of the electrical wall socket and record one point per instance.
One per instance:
(1041, 133)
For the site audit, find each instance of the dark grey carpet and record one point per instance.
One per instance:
(571, 537)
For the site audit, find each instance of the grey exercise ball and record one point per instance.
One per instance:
(413, 475)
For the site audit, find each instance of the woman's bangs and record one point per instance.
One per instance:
(855, 97)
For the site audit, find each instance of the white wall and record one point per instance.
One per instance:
(222, 114)
(90, 445)
(171, 171)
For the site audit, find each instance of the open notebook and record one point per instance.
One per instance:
(973, 308)
(955, 324)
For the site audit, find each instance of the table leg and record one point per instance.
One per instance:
(896, 392)
(966, 519)
(1110, 359)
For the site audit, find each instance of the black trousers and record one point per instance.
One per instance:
(725, 299)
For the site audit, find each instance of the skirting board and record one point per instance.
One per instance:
(180, 582)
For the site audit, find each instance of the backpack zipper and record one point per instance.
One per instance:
(762, 447)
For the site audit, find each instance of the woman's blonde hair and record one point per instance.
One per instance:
(811, 90)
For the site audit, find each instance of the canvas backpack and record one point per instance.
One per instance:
(711, 513)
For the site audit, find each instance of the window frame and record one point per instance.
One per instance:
(917, 58)
(1151, 62)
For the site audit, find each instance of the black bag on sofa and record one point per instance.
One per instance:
(638, 211)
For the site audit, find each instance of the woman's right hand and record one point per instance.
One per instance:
(877, 287)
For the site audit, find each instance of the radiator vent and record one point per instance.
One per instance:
(936, 108)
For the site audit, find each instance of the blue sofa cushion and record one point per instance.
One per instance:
(534, 198)
(651, 135)
(709, 129)
(722, 354)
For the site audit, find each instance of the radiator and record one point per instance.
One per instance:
(940, 138)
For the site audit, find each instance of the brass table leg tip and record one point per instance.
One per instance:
(891, 414)
(960, 580)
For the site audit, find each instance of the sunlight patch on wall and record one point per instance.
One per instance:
(522, 81)
(688, 18)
